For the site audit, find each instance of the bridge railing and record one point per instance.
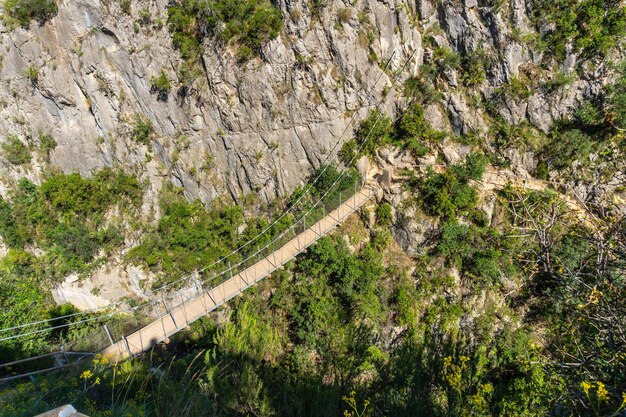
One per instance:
(97, 332)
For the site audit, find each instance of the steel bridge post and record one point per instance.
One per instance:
(108, 333)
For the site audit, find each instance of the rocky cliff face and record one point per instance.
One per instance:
(260, 127)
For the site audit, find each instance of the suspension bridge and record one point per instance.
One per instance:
(173, 309)
(203, 302)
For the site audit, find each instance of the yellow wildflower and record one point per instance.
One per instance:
(100, 360)
(603, 393)
(585, 386)
(86, 374)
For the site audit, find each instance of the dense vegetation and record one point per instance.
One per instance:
(410, 131)
(68, 220)
(314, 340)
(66, 217)
(248, 24)
(25, 11)
(591, 27)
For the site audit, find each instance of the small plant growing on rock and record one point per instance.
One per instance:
(32, 75)
(384, 216)
(125, 6)
(344, 15)
(161, 86)
(46, 145)
(142, 129)
(15, 151)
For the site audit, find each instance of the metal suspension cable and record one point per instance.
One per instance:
(226, 257)
(244, 245)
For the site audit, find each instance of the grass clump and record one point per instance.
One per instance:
(15, 151)
(160, 85)
(142, 130)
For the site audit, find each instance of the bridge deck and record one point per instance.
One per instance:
(190, 311)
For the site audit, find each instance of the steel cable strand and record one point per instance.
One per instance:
(152, 302)
(259, 235)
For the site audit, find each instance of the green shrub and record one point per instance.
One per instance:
(473, 65)
(413, 132)
(32, 74)
(448, 194)
(161, 86)
(616, 106)
(542, 170)
(187, 236)
(25, 11)
(15, 151)
(517, 89)
(142, 130)
(420, 88)
(246, 23)
(558, 80)
(568, 146)
(383, 214)
(446, 59)
(46, 145)
(64, 217)
(374, 131)
(347, 154)
(593, 27)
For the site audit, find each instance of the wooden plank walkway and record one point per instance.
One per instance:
(187, 312)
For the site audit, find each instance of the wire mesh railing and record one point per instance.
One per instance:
(181, 308)
(93, 334)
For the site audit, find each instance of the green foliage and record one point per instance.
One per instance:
(589, 114)
(446, 59)
(347, 154)
(411, 131)
(567, 147)
(64, 217)
(473, 65)
(558, 80)
(15, 151)
(448, 194)
(187, 236)
(517, 88)
(374, 131)
(521, 136)
(617, 100)
(383, 214)
(161, 86)
(25, 11)
(32, 74)
(142, 130)
(481, 254)
(414, 132)
(592, 27)
(420, 88)
(46, 145)
(249, 24)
